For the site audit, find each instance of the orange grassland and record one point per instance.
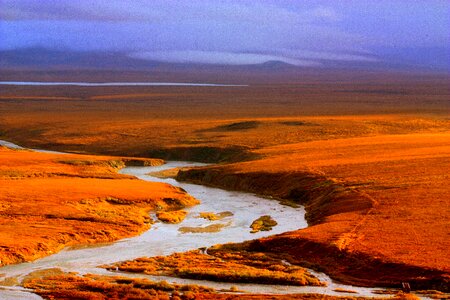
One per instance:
(368, 157)
(378, 206)
(49, 201)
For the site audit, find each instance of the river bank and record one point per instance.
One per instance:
(360, 211)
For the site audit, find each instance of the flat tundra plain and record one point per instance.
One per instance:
(369, 159)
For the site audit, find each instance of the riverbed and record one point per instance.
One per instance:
(165, 239)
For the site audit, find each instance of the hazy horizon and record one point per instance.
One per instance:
(306, 34)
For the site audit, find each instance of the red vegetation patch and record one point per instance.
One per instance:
(71, 286)
(223, 264)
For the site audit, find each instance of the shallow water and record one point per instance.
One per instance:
(40, 83)
(14, 146)
(10, 145)
(164, 239)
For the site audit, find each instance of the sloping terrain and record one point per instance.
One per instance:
(377, 206)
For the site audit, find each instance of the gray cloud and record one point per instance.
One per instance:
(109, 11)
(158, 10)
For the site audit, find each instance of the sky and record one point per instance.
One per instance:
(303, 33)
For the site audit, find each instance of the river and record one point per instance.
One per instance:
(165, 239)
(50, 83)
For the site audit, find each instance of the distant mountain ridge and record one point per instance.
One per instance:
(40, 64)
(59, 59)
(48, 59)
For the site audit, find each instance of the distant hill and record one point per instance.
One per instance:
(40, 64)
(42, 58)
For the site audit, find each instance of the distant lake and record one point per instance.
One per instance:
(115, 83)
